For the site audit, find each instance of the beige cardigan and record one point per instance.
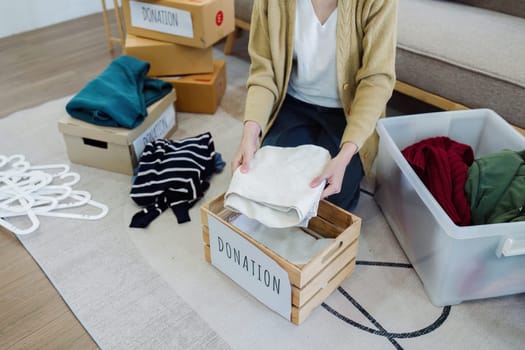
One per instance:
(366, 45)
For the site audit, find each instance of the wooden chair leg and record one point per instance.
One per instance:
(230, 40)
(106, 25)
(111, 39)
(119, 21)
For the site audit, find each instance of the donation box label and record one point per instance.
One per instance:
(161, 19)
(157, 130)
(249, 267)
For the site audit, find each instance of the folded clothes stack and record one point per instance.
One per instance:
(119, 96)
(276, 189)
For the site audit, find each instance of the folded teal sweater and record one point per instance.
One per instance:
(119, 96)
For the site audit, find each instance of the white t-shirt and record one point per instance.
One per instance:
(314, 76)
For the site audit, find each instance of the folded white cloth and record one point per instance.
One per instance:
(291, 243)
(276, 189)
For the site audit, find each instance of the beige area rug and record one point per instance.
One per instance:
(111, 288)
(152, 289)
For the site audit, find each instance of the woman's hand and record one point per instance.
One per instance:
(334, 171)
(247, 147)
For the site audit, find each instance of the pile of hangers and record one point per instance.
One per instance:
(27, 192)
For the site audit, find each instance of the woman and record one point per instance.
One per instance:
(321, 73)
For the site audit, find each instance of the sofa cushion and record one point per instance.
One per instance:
(510, 7)
(470, 55)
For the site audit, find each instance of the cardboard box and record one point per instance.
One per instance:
(291, 290)
(168, 58)
(198, 23)
(455, 263)
(200, 93)
(117, 149)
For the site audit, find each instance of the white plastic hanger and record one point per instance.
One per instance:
(31, 191)
(35, 223)
(13, 164)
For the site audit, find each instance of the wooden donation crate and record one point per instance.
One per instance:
(291, 290)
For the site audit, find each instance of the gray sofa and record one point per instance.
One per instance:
(456, 54)
(466, 52)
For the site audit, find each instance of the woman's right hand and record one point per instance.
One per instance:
(247, 147)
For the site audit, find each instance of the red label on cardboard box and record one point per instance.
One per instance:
(219, 18)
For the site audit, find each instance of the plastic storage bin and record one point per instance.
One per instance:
(455, 263)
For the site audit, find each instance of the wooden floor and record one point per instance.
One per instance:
(36, 67)
(50, 63)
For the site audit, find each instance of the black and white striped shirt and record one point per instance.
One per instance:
(172, 174)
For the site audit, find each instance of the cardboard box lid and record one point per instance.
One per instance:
(137, 41)
(167, 58)
(76, 127)
(180, 4)
(204, 78)
(134, 41)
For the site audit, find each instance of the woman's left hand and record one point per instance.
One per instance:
(334, 171)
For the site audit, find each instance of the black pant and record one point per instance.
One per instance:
(300, 123)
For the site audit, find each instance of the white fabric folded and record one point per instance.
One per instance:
(276, 189)
(291, 243)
